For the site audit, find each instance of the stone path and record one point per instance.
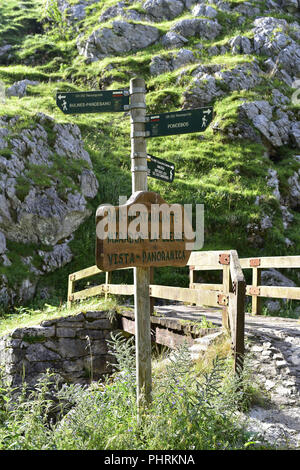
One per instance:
(273, 356)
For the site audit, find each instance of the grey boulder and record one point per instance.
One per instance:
(122, 37)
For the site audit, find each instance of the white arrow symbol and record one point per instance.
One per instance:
(61, 97)
(208, 111)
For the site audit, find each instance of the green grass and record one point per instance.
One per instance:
(29, 316)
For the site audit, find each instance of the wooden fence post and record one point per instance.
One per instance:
(151, 298)
(226, 290)
(108, 277)
(256, 301)
(237, 311)
(71, 288)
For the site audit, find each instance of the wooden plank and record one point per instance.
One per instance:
(256, 302)
(273, 262)
(161, 335)
(152, 301)
(71, 288)
(171, 339)
(206, 258)
(237, 311)
(198, 285)
(157, 244)
(205, 267)
(91, 271)
(184, 294)
(226, 290)
(90, 292)
(120, 289)
(128, 325)
(108, 278)
(277, 292)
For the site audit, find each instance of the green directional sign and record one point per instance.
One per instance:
(93, 101)
(160, 169)
(179, 122)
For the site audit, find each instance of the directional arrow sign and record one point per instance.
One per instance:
(93, 101)
(160, 169)
(179, 122)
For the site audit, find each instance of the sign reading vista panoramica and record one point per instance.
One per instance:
(145, 231)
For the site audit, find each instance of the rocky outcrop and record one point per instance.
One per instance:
(211, 82)
(167, 63)
(36, 208)
(121, 37)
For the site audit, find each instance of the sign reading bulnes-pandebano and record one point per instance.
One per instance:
(93, 101)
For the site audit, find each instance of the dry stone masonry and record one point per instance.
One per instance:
(74, 347)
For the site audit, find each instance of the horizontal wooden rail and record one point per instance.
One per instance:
(184, 294)
(271, 262)
(277, 292)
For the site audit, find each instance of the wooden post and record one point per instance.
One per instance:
(71, 288)
(151, 298)
(108, 276)
(141, 275)
(226, 290)
(256, 301)
(237, 311)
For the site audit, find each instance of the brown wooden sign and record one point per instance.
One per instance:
(144, 232)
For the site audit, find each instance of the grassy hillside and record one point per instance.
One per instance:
(226, 174)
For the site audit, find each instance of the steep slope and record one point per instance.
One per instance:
(241, 57)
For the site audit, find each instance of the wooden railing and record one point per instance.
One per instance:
(257, 291)
(229, 295)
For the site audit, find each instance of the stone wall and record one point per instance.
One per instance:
(75, 347)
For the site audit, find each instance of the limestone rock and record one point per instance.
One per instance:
(272, 277)
(294, 190)
(120, 9)
(205, 10)
(2, 243)
(162, 64)
(163, 9)
(19, 88)
(208, 82)
(291, 6)
(295, 134)
(121, 37)
(171, 39)
(272, 38)
(34, 206)
(240, 45)
(58, 257)
(199, 27)
(260, 112)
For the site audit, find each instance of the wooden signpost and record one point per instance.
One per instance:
(162, 245)
(153, 249)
